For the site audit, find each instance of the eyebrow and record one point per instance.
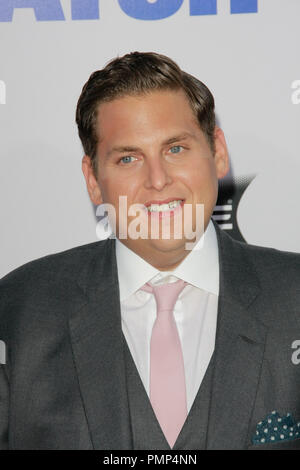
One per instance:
(171, 140)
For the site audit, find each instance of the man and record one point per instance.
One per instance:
(98, 354)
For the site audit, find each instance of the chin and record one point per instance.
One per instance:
(168, 245)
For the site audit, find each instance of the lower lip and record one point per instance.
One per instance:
(169, 213)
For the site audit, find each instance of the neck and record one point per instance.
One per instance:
(159, 258)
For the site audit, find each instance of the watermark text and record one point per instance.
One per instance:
(176, 221)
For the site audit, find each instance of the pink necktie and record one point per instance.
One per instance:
(167, 379)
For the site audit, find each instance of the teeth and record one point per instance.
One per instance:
(164, 207)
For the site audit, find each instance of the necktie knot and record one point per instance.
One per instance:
(165, 294)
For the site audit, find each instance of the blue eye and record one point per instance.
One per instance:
(127, 156)
(176, 149)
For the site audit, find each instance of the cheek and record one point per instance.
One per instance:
(203, 180)
(114, 187)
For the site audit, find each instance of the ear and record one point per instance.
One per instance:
(221, 153)
(91, 181)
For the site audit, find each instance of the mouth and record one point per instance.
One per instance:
(165, 208)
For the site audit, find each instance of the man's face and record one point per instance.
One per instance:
(151, 148)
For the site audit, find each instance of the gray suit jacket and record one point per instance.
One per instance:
(64, 387)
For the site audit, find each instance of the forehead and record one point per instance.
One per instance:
(143, 115)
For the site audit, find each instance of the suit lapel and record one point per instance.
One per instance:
(240, 341)
(96, 337)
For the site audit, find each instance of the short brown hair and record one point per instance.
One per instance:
(133, 74)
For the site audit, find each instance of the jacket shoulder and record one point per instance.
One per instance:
(52, 265)
(277, 272)
(271, 259)
(274, 273)
(35, 298)
(45, 286)
(262, 258)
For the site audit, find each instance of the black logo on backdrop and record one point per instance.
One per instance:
(230, 194)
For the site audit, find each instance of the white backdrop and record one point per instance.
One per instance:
(250, 61)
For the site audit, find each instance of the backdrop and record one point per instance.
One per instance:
(246, 51)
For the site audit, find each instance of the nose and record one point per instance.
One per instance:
(157, 174)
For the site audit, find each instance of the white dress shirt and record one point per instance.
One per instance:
(195, 311)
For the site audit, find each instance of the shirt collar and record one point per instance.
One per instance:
(200, 267)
